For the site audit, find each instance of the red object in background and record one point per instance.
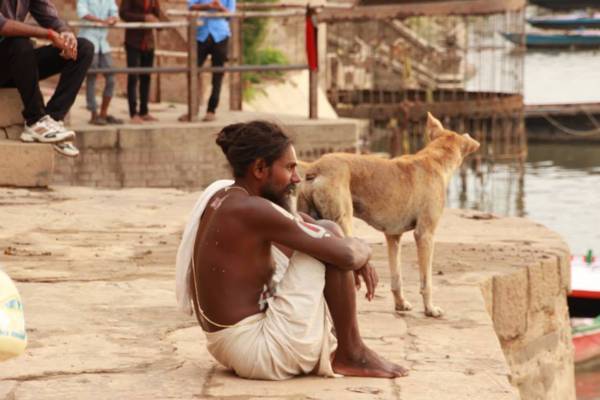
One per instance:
(311, 41)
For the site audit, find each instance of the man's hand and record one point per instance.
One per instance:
(369, 275)
(59, 42)
(70, 42)
(216, 5)
(111, 20)
(151, 18)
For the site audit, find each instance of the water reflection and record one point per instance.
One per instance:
(558, 186)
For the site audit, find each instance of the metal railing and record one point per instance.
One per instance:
(193, 19)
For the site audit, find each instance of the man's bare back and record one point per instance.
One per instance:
(233, 265)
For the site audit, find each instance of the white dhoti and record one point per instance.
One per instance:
(292, 337)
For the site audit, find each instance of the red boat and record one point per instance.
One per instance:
(584, 307)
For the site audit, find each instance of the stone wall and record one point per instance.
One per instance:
(529, 309)
(21, 164)
(182, 155)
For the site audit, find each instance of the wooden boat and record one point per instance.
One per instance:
(565, 4)
(586, 339)
(572, 21)
(584, 307)
(579, 39)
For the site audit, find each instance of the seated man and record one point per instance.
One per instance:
(266, 285)
(23, 66)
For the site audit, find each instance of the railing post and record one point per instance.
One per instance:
(192, 94)
(313, 61)
(235, 78)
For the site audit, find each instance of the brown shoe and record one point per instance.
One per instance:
(210, 116)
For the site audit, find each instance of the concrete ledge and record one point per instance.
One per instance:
(25, 164)
(183, 155)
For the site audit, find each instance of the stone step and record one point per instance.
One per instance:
(25, 164)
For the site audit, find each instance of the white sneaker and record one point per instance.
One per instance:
(46, 130)
(66, 149)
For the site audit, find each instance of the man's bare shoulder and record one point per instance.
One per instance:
(253, 205)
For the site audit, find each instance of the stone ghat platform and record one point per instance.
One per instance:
(95, 269)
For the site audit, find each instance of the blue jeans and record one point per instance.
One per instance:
(101, 60)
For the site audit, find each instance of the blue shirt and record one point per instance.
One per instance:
(100, 9)
(218, 28)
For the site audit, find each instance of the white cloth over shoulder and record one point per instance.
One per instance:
(292, 337)
(186, 247)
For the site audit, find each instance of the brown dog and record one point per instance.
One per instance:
(392, 195)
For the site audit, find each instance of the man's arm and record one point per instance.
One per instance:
(16, 28)
(84, 13)
(44, 12)
(231, 6)
(277, 225)
(195, 5)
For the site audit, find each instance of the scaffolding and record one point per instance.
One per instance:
(393, 61)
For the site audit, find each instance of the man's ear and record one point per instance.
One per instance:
(434, 127)
(259, 168)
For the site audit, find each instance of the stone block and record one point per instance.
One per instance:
(25, 164)
(487, 291)
(564, 263)
(544, 284)
(536, 347)
(100, 138)
(510, 304)
(10, 108)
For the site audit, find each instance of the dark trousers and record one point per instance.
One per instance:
(23, 66)
(218, 56)
(138, 58)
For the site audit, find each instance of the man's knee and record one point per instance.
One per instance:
(85, 49)
(331, 226)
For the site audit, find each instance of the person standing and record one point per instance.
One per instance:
(213, 39)
(23, 66)
(103, 12)
(139, 46)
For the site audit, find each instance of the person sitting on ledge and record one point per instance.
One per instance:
(23, 66)
(268, 286)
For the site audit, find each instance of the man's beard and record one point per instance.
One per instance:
(282, 199)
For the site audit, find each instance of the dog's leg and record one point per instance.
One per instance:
(424, 240)
(395, 264)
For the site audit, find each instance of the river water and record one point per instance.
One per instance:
(560, 185)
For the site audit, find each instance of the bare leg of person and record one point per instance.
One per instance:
(352, 357)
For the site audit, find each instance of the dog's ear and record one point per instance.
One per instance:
(434, 127)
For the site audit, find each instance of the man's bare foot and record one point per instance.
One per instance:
(148, 118)
(366, 363)
(210, 116)
(136, 119)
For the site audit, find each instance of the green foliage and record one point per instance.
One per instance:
(253, 35)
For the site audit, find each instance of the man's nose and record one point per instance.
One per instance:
(295, 177)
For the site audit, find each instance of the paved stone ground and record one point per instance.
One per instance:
(95, 269)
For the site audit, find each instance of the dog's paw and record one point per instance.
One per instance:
(404, 306)
(434, 312)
